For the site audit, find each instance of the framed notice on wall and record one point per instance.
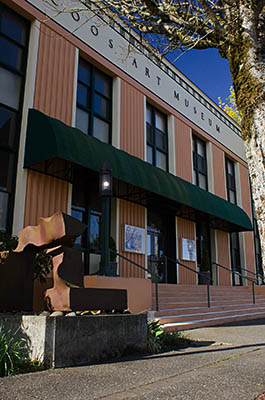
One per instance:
(134, 239)
(188, 250)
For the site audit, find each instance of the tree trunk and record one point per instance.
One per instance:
(246, 59)
(255, 153)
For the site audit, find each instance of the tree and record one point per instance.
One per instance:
(237, 29)
(230, 107)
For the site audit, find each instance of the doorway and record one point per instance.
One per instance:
(235, 259)
(203, 246)
(161, 242)
(86, 207)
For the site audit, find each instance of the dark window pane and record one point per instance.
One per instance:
(6, 167)
(161, 160)
(161, 140)
(3, 210)
(94, 232)
(102, 84)
(84, 72)
(201, 164)
(13, 27)
(232, 197)
(10, 54)
(82, 95)
(82, 120)
(7, 127)
(202, 181)
(160, 121)
(150, 154)
(149, 114)
(101, 130)
(102, 106)
(10, 85)
(149, 133)
(78, 214)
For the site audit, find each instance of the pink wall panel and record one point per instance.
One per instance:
(45, 196)
(219, 172)
(223, 252)
(183, 150)
(186, 229)
(131, 214)
(132, 120)
(55, 75)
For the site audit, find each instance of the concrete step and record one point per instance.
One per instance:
(186, 306)
(201, 315)
(193, 310)
(185, 325)
(204, 303)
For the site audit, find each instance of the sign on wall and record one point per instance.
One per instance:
(188, 250)
(134, 239)
(125, 51)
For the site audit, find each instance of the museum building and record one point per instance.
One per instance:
(77, 90)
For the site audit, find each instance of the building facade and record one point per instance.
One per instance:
(77, 90)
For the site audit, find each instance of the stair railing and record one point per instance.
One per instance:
(253, 282)
(154, 275)
(256, 274)
(209, 280)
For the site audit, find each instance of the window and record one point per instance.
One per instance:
(199, 163)
(156, 133)
(93, 112)
(230, 181)
(13, 56)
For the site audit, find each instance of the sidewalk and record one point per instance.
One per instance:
(227, 363)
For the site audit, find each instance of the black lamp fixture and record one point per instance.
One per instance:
(105, 180)
(105, 192)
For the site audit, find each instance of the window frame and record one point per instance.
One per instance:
(195, 157)
(230, 178)
(12, 148)
(92, 91)
(154, 130)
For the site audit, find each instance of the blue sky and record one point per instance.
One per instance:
(207, 70)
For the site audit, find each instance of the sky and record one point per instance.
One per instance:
(207, 70)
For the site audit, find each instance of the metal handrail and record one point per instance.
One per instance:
(242, 276)
(196, 272)
(257, 274)
(153, 274)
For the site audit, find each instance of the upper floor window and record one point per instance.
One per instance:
(199, 163)
(94, 93)
(14, 32)
(156, 134)
(230, 181)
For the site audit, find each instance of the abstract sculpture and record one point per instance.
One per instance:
(56, 235)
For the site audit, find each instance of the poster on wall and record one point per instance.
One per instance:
(134, 239)
(188, 250)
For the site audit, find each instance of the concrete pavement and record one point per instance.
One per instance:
(228, 362)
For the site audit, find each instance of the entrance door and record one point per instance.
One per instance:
(161, 233)
(154, 254)
(203, 245)
(235, 259)
(86, 207)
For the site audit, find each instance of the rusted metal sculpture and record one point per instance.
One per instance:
(56, 235)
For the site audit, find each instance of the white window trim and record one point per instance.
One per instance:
(28, 102)
(171, 144)
(209, 160)
(116, 112)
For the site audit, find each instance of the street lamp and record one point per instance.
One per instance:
(105, 192)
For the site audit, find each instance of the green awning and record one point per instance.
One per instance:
(48, 138)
